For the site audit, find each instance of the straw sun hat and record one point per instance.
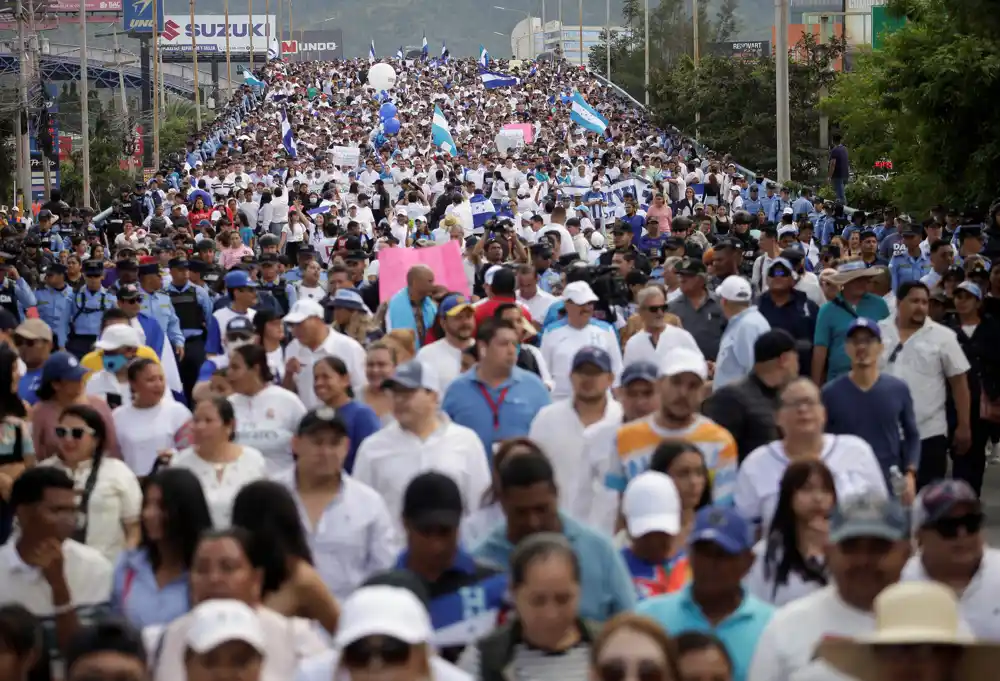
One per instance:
(913, 613)
(855, 269)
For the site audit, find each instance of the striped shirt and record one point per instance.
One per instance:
(636, 442)
(533, 664)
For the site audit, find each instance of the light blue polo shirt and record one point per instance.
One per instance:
(499, 413)
(606, 587)
(678, 613)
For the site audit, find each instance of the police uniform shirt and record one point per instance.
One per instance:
(88, 310)
(192, 306)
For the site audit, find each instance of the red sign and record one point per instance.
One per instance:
(89, 5)
(65, 147)
(289, 46)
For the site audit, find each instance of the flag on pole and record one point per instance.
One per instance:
(440, 133)
(484, 57)
(585, 115)
(399, 53)
(371, 52)
(274, 50)
(287, 137)
(249, 79)
(482, 211)
(444, 52)
(492, 80)
(424, 50)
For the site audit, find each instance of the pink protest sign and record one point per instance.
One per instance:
(445, 261)
(527, 128)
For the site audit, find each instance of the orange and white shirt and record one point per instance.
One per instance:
(636, 442)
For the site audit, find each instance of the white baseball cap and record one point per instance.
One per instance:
(383, 610)
(223, 620)
(490, 273)
(580, 293)
(736, 289)
(118, 336)
(651, 504)
(684, 361)
(303, 310)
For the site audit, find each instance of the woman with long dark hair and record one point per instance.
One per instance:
(17, 450)
(109, 495)
(150, 583)
(790, 559)
(685, 464)
(291, 586)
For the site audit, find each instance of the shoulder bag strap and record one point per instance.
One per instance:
(88, 490)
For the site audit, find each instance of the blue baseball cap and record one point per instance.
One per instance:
(348, 299)
(239, 279)
(598, 357)
(867, 324)
(869, 516)
(724, 527)
(970, 288)
(639, 371)
(62, 366)
(454, 304)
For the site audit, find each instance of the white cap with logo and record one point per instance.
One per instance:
(223, 620)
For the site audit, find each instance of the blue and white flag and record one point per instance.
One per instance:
(424, 50)
(586, 116)
(371, 52)
(484, 58)
(492, 80)
(287, 137)
(249, 79)
(444, 52)
(482, 210)
(440, 132)
(319, 211)
(399, 53)
(274, 50)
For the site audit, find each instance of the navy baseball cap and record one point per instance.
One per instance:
(869, 516)
(639, 371)
(724, 527)
(240, 325)
(62, 366)
(178, 263)
(321, 419)
(865, 323)
(592, 355)
(937, 500)
(93, 268)
(149, 268)
(239, 279)
(432, 499)
(413, 375)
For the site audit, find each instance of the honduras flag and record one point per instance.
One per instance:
(249, 79)
(482, 210)
(440, 133)
(585, 115)
(424, 50)
(444, 52)
(492, 80)
(287, 137)
(371, 52)
(399, 53)
(484, 58)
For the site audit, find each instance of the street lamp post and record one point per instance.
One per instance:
(531, 29)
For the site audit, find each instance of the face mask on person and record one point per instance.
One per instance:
(114, 363)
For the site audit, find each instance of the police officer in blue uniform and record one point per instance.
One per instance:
(87, 311)
(193, 308)
(304, 255)
(156, 304)
(196, 277)
(54, 302)
(273, 287)
(127, 272)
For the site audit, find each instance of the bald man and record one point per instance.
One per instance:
(413, 307)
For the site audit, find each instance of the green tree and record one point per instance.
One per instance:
(178, 124)
(735, 99)
(926, 102)
(106, 175)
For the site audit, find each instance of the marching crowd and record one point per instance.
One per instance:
(647, 418)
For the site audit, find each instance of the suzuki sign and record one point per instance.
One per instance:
(315, 45)
(210, 33)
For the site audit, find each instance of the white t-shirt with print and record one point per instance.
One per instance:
(266, 422)
(221, 483)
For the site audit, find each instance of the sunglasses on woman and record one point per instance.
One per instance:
(76, 433)
(619, 669)
(948, 528)
(390, 651)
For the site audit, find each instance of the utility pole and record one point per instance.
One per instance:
(781, 90)
(267, 29)
(23, 144)
(607, 49)
(581, 33)
(84, 105)
(156, 80)
(229, 66)
(194, 61)
(250, 21)
(646, 28)
(35, 66)
(281, 24)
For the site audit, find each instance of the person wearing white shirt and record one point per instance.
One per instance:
(348, 527)
(118, 345)
(801, 417)
(744, 326)
(458, 321)
(561, 428)
(578, 329)
(949, 527)
(530, 295)
(315, 339)
(867, 549)
(657, 337)
(928, 358)
(221, 465)
(421, 439)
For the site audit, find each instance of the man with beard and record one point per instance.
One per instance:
(457, 321)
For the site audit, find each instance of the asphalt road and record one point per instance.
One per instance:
(991, 504)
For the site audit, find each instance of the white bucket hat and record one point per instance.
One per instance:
(912, 613)
(855, 269)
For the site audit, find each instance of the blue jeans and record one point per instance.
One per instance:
(838, 188)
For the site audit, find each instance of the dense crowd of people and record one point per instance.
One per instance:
(647, 418)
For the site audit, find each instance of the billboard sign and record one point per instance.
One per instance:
(138, 16)
(210, 33)
(91, 6)
(742, 50)
(314, 46)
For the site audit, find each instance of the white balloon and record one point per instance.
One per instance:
(381, 77)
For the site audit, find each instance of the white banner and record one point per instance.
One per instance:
(346, 156)
(210, 33)
(614, 196)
